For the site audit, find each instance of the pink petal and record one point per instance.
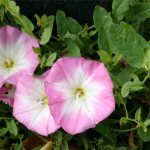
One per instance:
(44, 75)
(74, 121)
(74, 114)
(18, 46)
(28, 108)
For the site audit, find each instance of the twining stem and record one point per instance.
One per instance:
(127, 116)
(125, 108)
(126, 130)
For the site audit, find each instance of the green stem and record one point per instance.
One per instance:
(147, 76)
(126, 130)
(4, 118)
(55, 38)
(125, 108)
(91, 27)
(127, 116)
(133, 120)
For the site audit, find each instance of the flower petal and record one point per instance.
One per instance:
(29, 109)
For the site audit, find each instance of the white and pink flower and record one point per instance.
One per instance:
(16, 54)
(80, 93)
(31, 105)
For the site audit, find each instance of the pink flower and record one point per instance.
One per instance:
(80, 93)
(16, 54)
(31, 106)
(7, 93)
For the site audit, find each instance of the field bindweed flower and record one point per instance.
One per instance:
(7, 92)
(80, 93)
(31, 106)
(16, 54)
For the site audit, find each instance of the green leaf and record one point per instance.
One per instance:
(139, 12)
(73, 49)
(120, 8)
(116, 59)
(130, 44)
(57, 140)
(66, 24)
(17, 146)
(138, 114)
(131, 86)
(102, 22)
(147, 122)
(92, 33)
(134, 2)
(2, 12)
(147, 60)
(73, 26)
(104, 56)
(11, 125)
(61, 23)
(41, 21)
(64, 145)
(145, 136)
(46, 35)
(50, 59)
(118, 97)
(125, 75)
(42, 61)
(27, 25)
(13, 9)
(10, 6)
(85, 143)
(3, 131)
(123, 120)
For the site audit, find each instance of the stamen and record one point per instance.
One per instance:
(8, 63)
(43, 100)
(79, 92)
